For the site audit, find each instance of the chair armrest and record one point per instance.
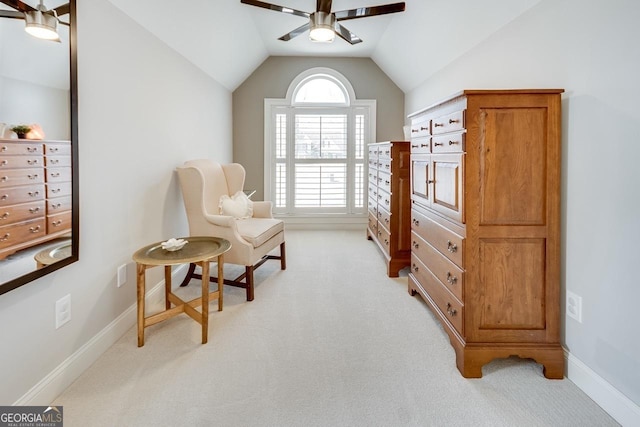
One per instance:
(221, 220)
(262, 209)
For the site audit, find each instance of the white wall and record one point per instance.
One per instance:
(589, 49)
(143, 110)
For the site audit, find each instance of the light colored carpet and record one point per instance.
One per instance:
(331, 341)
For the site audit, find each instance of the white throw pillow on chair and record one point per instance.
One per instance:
(238, 206)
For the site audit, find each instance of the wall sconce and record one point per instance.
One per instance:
(322, 27)
(42, 23)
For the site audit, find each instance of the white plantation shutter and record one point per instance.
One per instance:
(318, 157)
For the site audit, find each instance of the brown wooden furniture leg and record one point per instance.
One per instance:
(140, 273)
(220, 281)
(249, 281)
(167, 286)
(205, 301)
(283, 258)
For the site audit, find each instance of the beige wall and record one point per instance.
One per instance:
(143, 110)
(272, 79)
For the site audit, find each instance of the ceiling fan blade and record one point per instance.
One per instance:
(11, 14)
(63, 9)
(347, 35)
(18, 5)
(301, 29)
(323, 6)
(363, 12)
(276, 8)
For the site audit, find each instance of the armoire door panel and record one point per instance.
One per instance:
(513, 175)
(447, 185)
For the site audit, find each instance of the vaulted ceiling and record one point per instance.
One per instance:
(229, 40)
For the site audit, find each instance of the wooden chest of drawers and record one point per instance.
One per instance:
(485, 190)
(390, 202)
(35, 202)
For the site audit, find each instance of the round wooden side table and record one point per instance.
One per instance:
(200, 250)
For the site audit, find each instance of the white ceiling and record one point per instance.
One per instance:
(229, 40)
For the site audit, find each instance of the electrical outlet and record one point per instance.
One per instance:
(63, 310)
(122, 275)
(574, 306)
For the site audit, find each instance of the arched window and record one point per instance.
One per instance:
(315, 142)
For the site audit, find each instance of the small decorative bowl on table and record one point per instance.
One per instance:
(172, 244)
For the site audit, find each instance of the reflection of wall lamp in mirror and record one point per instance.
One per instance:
(42, 23)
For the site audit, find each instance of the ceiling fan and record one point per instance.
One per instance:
(324, 24)
(40, 21)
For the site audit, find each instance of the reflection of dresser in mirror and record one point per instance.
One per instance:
(35, 193)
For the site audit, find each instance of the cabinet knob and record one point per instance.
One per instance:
(451, 247)
(4, 148)
(424, 145)
(451, 279)
(3, 163)
(5, 237)
(451, 121)
(5, 215)
(438, 125)
(415, 267)
(4, 179)
(452, 311)
(414, 146)
(453, 142)
(33, 193)
(34, 210)
(415, 245)
(438, 144)
(34, 176)
(415, 222)
(34, 229)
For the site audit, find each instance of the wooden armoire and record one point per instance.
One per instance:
(485, 224)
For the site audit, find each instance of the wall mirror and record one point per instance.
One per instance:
(39, 217)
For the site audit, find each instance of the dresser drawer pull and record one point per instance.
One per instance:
(56, 190)
(57, 223)
(415, 222)
(412, 131)
(54, 161)
(32, 149)
(4, 148)
(387, 166)
(379, 196)
(34, 210)
(53, 149)
(4, 163)
(431, 181)
(5, 237)
(451, 121)
(438, 125)
(55, 175)
(5, 215)
(423, 128)
(415, 267)
(386, 220)
(387, 182)
(453, 142)
(414, 146)
(33, 193)
(438, 144)
(451, 279)
(452, 311)
(35, 176)
(451, 247)
(4, 197)
(386, 242)
(32, 162)
(386, 201)
(415, 245)
(424, 145)
(34, 229)
(4, 179)
(55, 205)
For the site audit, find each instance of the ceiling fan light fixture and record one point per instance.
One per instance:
(322, 27)
(42, 24)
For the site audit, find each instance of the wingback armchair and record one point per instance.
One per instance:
(205, 184)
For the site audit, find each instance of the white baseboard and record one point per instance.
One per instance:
(619, 406)
(51, 386)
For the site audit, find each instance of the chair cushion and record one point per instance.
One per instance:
(237, 206)
(258, 230)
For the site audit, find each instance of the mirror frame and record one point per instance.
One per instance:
(75, 208)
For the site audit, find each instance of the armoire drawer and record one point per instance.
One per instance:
(13, 177)
(373, 224)
(22, 194)
(384, 217)
(420, 126)
(447, 303)
(10, 162)
(20, 148)
(384, 181)
(444, 240)
(452, 143)
(384, 165)
(58, 189)
(384, 199)
(451, 276)
(421, 145)
(22, 212)
(59, 222)
(18, 233)
(448, 123)
(384, 238)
